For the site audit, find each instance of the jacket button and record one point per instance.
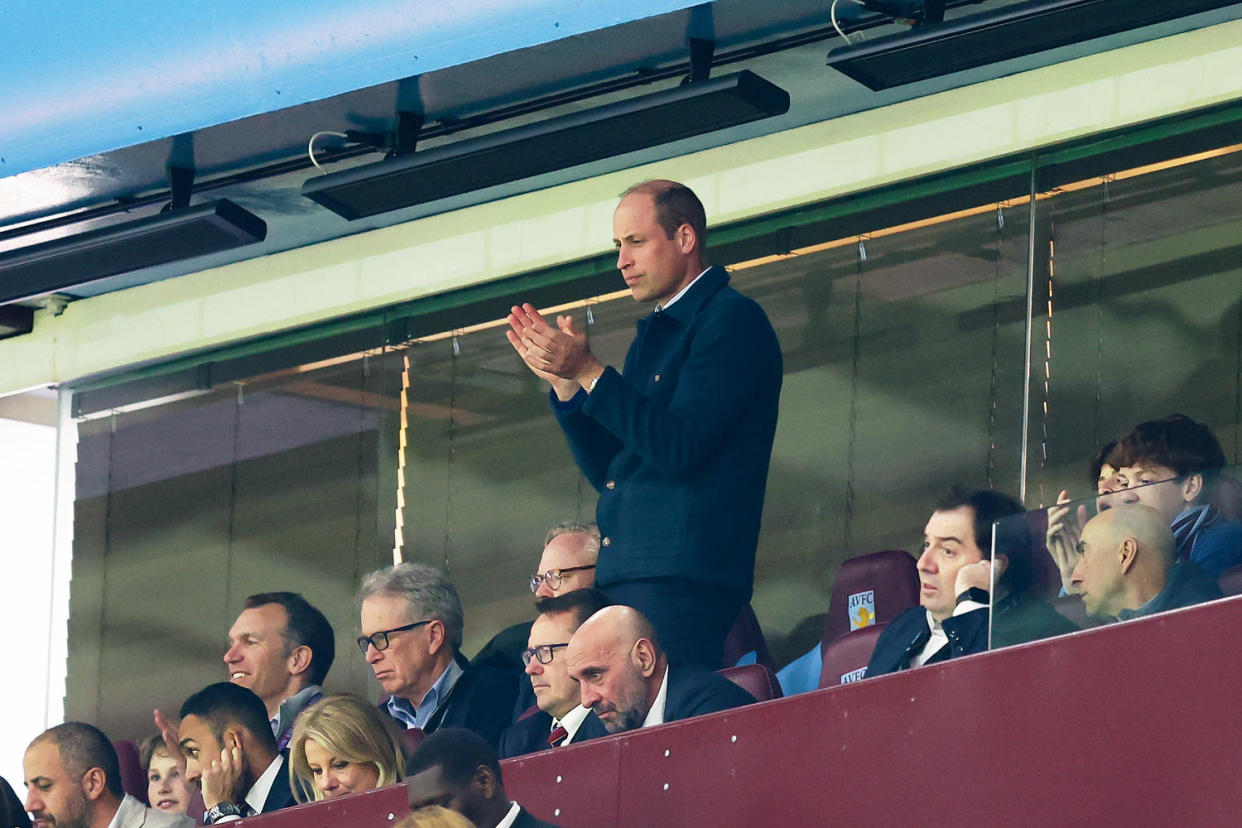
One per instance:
(611, 484)
(606, 542)
(657, 377)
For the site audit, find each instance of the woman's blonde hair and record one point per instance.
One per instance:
(349, 728)
(434, 816)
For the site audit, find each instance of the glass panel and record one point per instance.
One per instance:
(1122, 554)
(1138, 306)
(184, 509)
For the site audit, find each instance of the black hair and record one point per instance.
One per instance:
(225, 704)
(1013, 539)
(83, 746)
(583, 603)
(305, 626)
(458, 753)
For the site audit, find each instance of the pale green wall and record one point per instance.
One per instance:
(478, 244)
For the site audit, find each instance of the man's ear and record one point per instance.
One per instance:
(644, 657)
(1127, 552)
(299, 661)
(435, 636)
(484, 781)
(233, 737)
(1192, 487)
(687, 239)
(94, 783)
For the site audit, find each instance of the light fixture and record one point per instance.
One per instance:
(691, 109)
(173, 235)
(989, 37)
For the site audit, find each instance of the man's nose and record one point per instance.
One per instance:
(926, 562)
(544, 591)
(590, 697)
(533, 667)
(230, 655)
(373, 654)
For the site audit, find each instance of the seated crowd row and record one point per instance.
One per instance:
(269, 736)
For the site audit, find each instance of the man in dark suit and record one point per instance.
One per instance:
(955, 586)
(560, 719)
(624, 676)
(678, 443)
(412, 619)
(231, 753)
(455, 769)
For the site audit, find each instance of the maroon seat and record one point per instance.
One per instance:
(1230, 581)
(755, 679)
(870, 589)
(846, 657)
(133, 778)
(746, 636)
(1227, 497)
(411, 739)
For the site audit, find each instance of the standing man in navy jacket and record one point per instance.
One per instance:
(678, 442)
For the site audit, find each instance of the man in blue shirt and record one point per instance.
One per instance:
(411, 619)
(678, 442)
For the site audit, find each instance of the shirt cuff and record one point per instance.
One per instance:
(968, 606)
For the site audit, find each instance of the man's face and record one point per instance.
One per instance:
(256, 657)
(1155, 486)
(404, 669)
(555, 692)
(1098, 575)
(653, 265)
(1105, 485)
(948, 545)
(52, 798)
(563, 552)
(430, 787)
(199, 746)
(610, 682)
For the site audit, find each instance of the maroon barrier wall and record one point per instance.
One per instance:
(1134, 724)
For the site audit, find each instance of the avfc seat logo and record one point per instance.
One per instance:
(862, 609)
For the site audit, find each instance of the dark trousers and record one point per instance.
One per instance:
(691, 618)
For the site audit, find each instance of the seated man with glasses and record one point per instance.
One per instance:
(570, 551)
(560, 719)
(412, 620)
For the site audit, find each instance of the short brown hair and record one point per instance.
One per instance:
(675, 205)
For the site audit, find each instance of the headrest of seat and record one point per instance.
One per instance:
(755, 679)
(846, 657)
(871, 589)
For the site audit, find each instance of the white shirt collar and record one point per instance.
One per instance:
(511, 817)
(128, 807)
(663, 306)
(572, 721)
(655, 715)
(256, 797)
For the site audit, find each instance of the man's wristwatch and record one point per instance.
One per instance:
(976, 594)
(222, 809)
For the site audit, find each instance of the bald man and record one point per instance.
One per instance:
(625, 677)
(1128, 567)
(678, 442)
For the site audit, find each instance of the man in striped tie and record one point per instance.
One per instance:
(560, 718)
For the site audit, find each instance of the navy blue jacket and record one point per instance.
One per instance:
(695, 690)
(481, 700)
(1186, 586)
(678, 444)
(530, 735)
(907, 634)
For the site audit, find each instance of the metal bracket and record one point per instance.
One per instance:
(409, 125)
(181, 184)
(701, 53)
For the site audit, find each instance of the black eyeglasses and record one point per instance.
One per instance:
(554, 576)
(542, 653)
(379, 640)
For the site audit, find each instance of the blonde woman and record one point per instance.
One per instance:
(342, 745)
